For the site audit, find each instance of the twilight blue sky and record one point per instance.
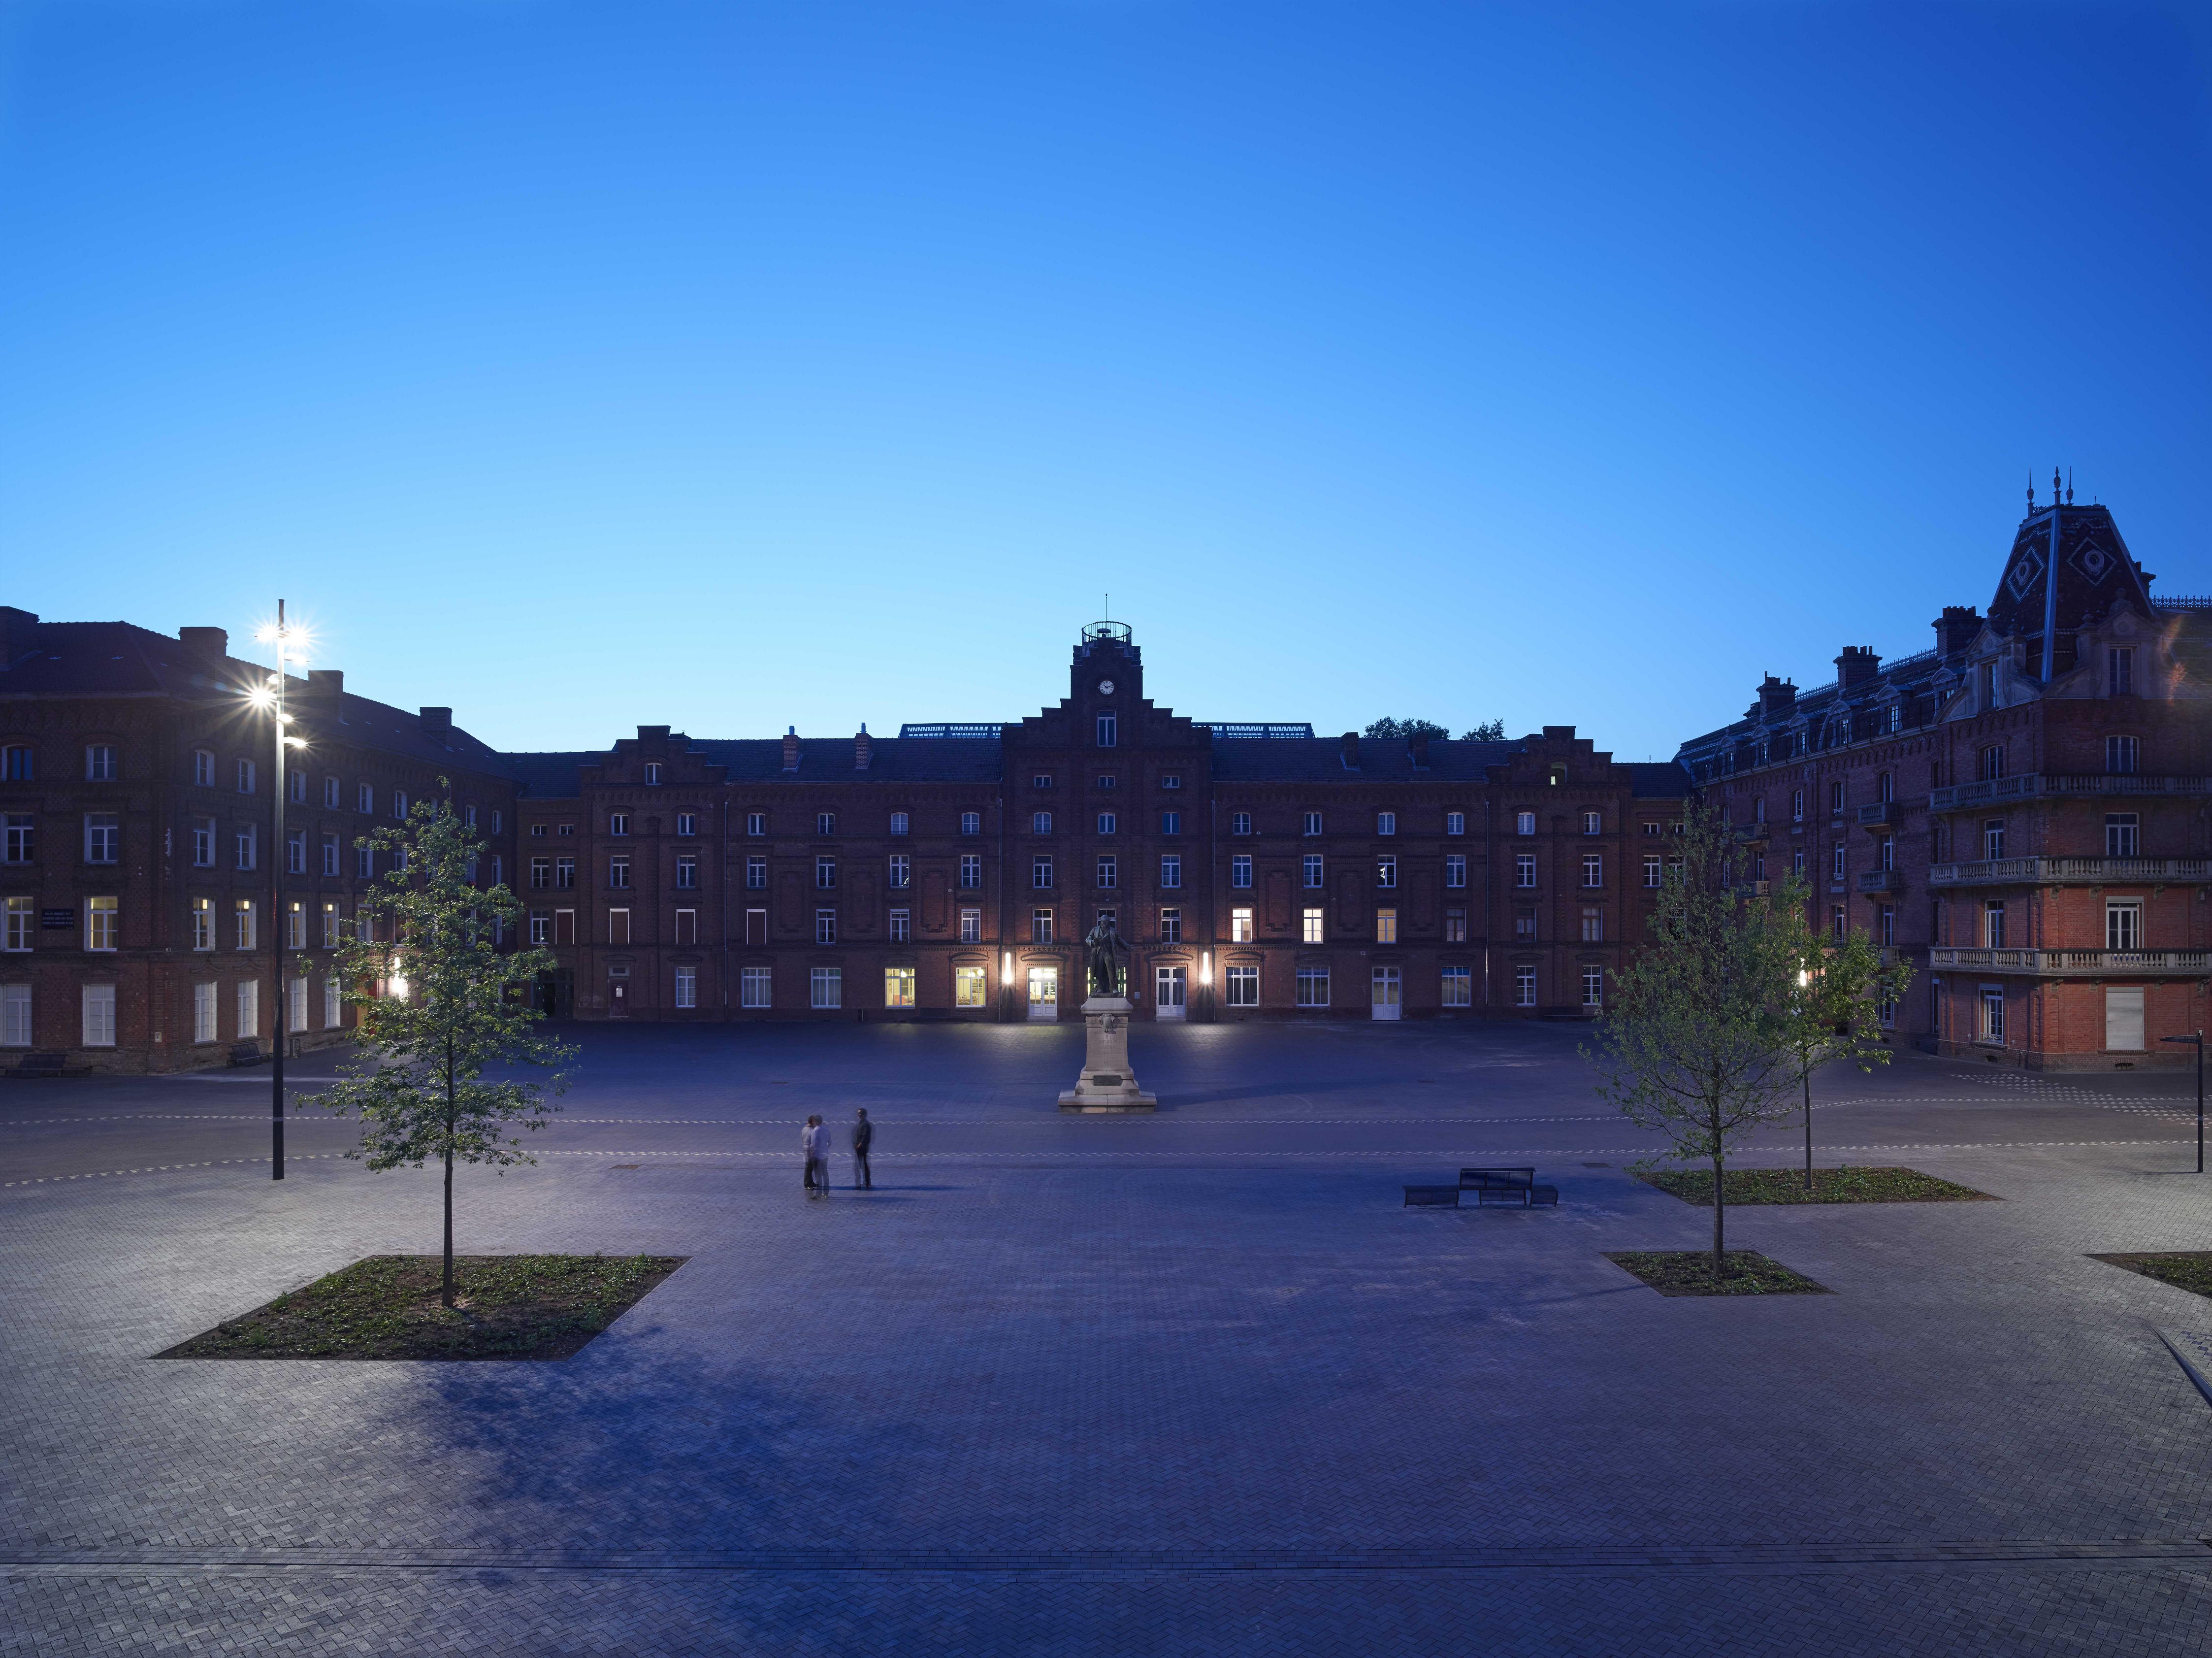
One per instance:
(736, 365)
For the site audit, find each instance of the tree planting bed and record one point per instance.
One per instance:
(2185, 1269)
(1690, 1272)
(1842, 1185)
(386, 1306)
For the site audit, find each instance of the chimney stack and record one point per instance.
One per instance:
(326, 685)
(1419, 746)
(863, 748)
(1955, 629)
(1776, 698)
(791, 749)
(208, 641)
(1351, 751)
(17, 633)
(1858, 664)
(438, 722)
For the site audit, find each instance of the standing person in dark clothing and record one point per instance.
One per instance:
(864, 1136)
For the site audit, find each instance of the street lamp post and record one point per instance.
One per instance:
(2197, 1042)
(271, 697)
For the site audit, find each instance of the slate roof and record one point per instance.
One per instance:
(110, 659)
(1292, 759)
(829, 759)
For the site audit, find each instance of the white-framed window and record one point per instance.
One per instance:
(2123, 755)
(1651, 867)
(364, 925)
(2123, 924)
(757, 824)
(828, 984)
(1524, 987)
(1242, 984)
(1311, 930)
(330, 854)
(15, 1015)
(331, 792)
(2120, 672)
(1993, 1014)
(902, 926)
(899, 822)
(1170, 870)
(1039, 779)
(364, 862)
(971, 823)
(329, 925)
(971, 926)
(652, 773)
(756, 875)
(1040, 871)
(103, 919)
(1170, 926)
(1593, 925)
(898, 987)
(1524, 869)
(1454, 869)
(296, 787)
(204, 768)
(1040, 823)
(687, 873)
(1105, 823)
(203, 920)
(1993, 841)
(1171, 780)
(1593, 987)
(249, 1008)
(1040, 926)
(825, 874)
(98, 1015)
(399, 804)
(618, 823)
(687, 824)
(1240, 823)
(245, 777)
(1836, 860)
(295, 926)
(204, 1013)
(1109, 731)
(1386, 823)
(687, 987)
(2122, 835)
(1240, 926)
(248, 845)
(1312, 823)
(1240, 869)
(1593, 822)
(1458, 987)
(902, 870)
(825, 926)
(243, 930)
(1797, 806)
(1172, 823)
(540, 926)
(1593, 869)
(971, 870)
(103, 838)
(1386, 871)
(970, 987)
(333, 1003)
(1455, 823)
(22, 842)
(1454, 926)
(296, 851)
(99, 762)
(1524, 823)
(364, 799)
(1312, 867)
(1885, 925)
(1386, 926)
(1313, 987)
(295, 1005)
(756, 987)
(1109, 871)
(618, 872)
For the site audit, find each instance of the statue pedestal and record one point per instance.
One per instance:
(1106, 1082)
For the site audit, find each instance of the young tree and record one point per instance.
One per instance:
(457, 1006)
(1841, 986)
(1700, 1040)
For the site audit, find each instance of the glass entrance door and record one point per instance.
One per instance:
(1044, 992)
(1170, 987)
(1387, 994)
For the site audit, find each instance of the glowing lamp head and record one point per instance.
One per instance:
(261, 696)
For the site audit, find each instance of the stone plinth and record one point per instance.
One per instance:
(1107, 1083)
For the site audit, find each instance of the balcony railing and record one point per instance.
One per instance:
(2060, 872)
(2029, 784)
(2072, 964)
(1880, 812)
(1880, 880)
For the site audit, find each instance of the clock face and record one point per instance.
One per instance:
(1105, 688)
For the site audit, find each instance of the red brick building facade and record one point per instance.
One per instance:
(139, 869)
(2021, 812)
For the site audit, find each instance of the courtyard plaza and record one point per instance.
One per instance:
(1193, 1382)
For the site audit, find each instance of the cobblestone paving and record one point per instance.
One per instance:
(1190, 1384)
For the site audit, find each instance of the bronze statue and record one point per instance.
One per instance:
(1104, 950)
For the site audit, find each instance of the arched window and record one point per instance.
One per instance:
(20, 763)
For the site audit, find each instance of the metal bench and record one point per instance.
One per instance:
(1431, 1197)
(39, 1064)
(1504, 1183)
(246, 1053)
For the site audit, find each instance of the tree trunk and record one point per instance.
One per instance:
(1807, 1075)
(1718, 1206)
(445, 1293)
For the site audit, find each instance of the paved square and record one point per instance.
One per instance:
(1187, 1383)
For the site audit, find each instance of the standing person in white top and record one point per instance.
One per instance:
(815, 1138)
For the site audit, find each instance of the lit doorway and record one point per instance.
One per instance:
(1171, 987)
(1044, 992)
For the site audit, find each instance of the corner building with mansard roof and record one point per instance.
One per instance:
(1256, 870)
(2023, 813)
